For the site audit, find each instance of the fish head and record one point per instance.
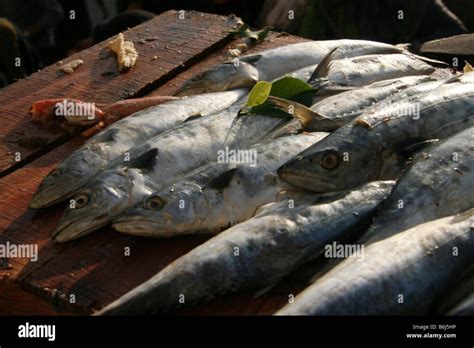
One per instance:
(338, 162)
(95, 205)
(222, 77)
(165, 213)
(66, 179)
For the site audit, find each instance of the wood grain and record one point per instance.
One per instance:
(166, 46)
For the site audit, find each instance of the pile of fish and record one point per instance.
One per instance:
(382, 162)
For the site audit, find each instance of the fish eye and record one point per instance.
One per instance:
(330, 160)
(154, 203)
(198, 77)
(81, 201)
(55, 173)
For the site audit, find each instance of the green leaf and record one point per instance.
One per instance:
(259, 94)
(266, 109)
(305, 98)
(245, 32)
(241, 32)
(289, 87)
(263, 33)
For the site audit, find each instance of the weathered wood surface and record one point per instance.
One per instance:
(166, 46)
(95, 269)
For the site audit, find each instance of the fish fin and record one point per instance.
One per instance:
(406, 46)
(262, 208)
(467, 67)
(145, 160)
(429, 60)
(308, 118)
(192, 118)
(108, 135)
(321, 83)
(403, 46)
(251, 59)
(322, 68)
(286, 129)
(463, 216)
(222, 180)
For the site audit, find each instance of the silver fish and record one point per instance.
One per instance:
(256, 253)
(159, 161)
(364, 70)
(303, 73)
(465, 307)
(355, 153)
(270, 64)
(334, 111)
(458, 295)
(230, 198)
(402, 274)
(95, 155)
(439, 183)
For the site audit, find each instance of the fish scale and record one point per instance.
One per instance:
(363, 70)
(270, 64)
(365, 141)
(417, 263)
(153, 163)
(159, 161)
(335, 111)
(271, 245)
(230, 197)
(434, 186)
(95, 155)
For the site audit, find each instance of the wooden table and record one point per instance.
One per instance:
(95, 269)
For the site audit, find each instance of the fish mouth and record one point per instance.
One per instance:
(306, 181)
(46, 197)
(72, 230)
(145, 228)
(189, 89)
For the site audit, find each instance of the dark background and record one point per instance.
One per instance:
(42, 32)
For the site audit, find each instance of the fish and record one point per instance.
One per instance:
(335, 111)
(363, 70)
(465, 307)
(94, 156)
(209, 206)
(146, 167)
(450, 302)
(438, 183)
(254, 254)
(303, 74)
(270, 64)
(159, 161)
(356, 153)
(402, 274)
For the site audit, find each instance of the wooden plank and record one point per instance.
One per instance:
(95, 269)
(14, 301)
(176, 43)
